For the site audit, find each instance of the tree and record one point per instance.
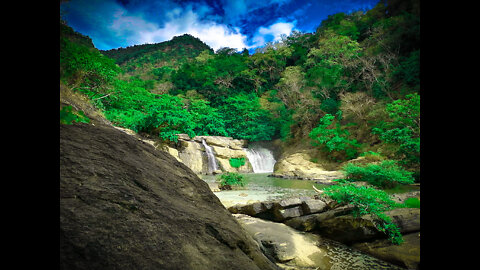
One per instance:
(292, 92)
(330, 64)
(330, 138)
(403, 129)
(245, 119)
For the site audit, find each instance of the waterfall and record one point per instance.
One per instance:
(212, 162)
(262, 159)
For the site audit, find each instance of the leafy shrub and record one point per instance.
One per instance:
(412, 203)
(385, 174)
(231, 179)
(368, 200)
(237, 162)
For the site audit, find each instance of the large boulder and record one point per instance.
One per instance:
(125, 205)
(298, 165)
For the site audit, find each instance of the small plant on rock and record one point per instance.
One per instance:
(231, 179)
(237, 162)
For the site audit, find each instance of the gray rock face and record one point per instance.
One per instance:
(125, 205)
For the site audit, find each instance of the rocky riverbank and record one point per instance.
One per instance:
(323, 217)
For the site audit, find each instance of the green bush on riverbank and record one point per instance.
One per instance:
(385, 174)
(368, 201)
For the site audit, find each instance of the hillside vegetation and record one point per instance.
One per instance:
(351, 88)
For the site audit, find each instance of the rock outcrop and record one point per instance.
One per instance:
(191, 152)
(325, 217)
(125, 205)
(299, 166)
(280, 210)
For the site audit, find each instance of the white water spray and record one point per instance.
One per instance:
(262, 159)
(212, 162)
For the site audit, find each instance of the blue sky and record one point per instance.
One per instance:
(219, 23)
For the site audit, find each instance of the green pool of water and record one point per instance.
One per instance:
(260, 187)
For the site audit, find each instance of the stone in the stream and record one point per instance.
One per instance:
(313, 206)
(253, 209)
(289, 202)
(289, 213)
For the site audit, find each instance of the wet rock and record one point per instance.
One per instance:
(406, 255)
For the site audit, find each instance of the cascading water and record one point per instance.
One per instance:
(212, 162)
(261, 158)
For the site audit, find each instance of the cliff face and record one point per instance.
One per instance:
(125, 205)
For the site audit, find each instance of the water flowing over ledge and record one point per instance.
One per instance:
(212, 162)
(262, 159)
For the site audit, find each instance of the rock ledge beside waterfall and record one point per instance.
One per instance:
(191, 152)
(298, 166)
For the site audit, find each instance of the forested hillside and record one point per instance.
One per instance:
(351, 88)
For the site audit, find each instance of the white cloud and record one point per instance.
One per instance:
(272, 33)
(179, 21)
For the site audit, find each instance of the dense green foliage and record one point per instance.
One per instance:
(403, 129)
(368, 201)
(237, 162)
(334, 140)
(386, 174)
(231, 179)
